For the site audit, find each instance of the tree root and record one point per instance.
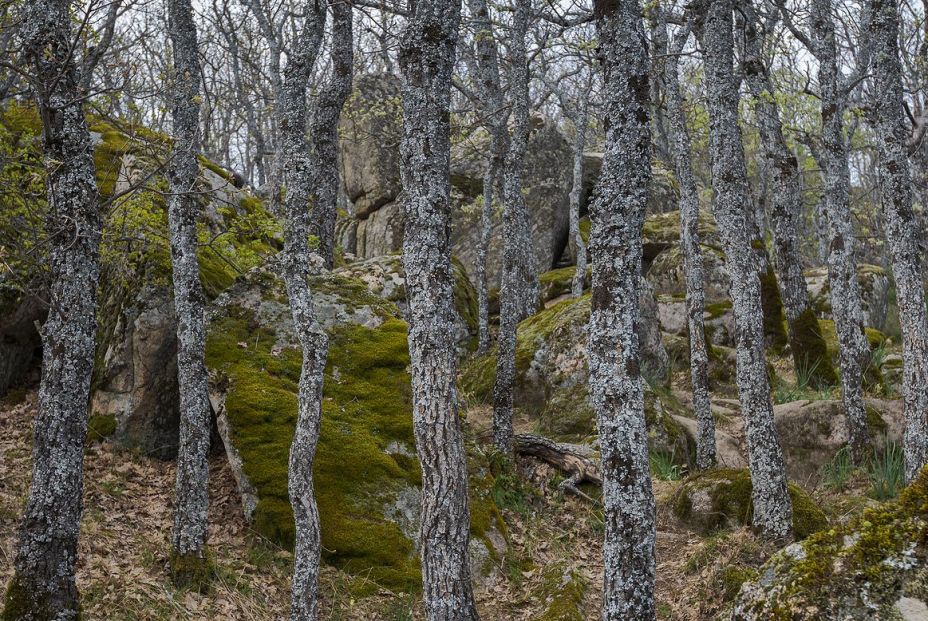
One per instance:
(580, 468)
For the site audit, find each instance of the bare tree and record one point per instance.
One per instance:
(616, 389)
(902, 227)
(324, 129)
(426, 59)
(43, 586)
(191, 508)
(832, 155)
(810, 354)
(772, 506)
(518, 292)
(681, 149)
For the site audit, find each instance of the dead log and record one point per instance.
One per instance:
(578, 467)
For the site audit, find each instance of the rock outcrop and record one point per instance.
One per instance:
(870, 569)
(366, 474)
(874, 293)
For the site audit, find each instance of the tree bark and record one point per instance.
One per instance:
(772, 506)
(426, 60)
(297, 169)
(188, 539)
(842, 267)
(495, 115)
(43, 586)
(576, 286)
(681, 149)
(324, 131)
(902, 227)
(518, 293)
(616, 391)
(807, 346)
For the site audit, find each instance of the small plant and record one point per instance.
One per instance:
(839, 470)
(664, 467)
(886, 470)
(509, 491)
(804, 387)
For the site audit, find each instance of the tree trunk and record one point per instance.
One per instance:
(43, 586)
(809, 352)
(772, 507)
(692, 254)
(324, 131)
(576, 237)
(842, 267)
(188, 539)
(495, 115)
(297, 170)
(902, 227)
(518, 292)
(616, 391)
(426, 59)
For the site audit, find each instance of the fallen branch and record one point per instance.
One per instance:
(581, 469)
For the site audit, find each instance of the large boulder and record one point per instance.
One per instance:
(552, 373)
(874, 293)
(385, 276)
(367, 478)
(370, 131)
(547, 180)
(714, 499)
(135, 379)
(872, 568)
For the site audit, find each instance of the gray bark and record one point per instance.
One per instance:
(842, 268)
(426, 60)
(616, 390)
(324, 131)
(518, 291)
(809, 352)
(902, 226)
(191, 507)
(43, 586)
(772, 506)
(297, 169)
(681, 149)
(576, 287)
(495, 115)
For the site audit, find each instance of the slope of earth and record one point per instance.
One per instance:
(552, 570)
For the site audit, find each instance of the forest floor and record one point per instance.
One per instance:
(552, 570)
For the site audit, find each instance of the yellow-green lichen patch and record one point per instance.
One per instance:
(555, 283)
(546, 328)
(858, 568)
(366, 410)
(100, 427)
(720, 498)
(562, 591)
(810, 351)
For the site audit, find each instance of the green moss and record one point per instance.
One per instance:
(730, 493)
(857, 564)
(810, 351)
(465, 296)
(772, 304)
(192, 571)
(563, 593)
(101, 426)
(732, 578)
(555, 283)
(21, 602)
(873, 377)
(365, 409)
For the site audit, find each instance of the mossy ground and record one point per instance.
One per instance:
(365, 455)
(730, 492)
(868, 560)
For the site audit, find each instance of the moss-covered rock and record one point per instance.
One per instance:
(551, 353)
(562, 591)
(556, 283)
(366, 473)
(872, 568)
(874, 283)
(135, 374)
(385, 276)
(716, 499)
